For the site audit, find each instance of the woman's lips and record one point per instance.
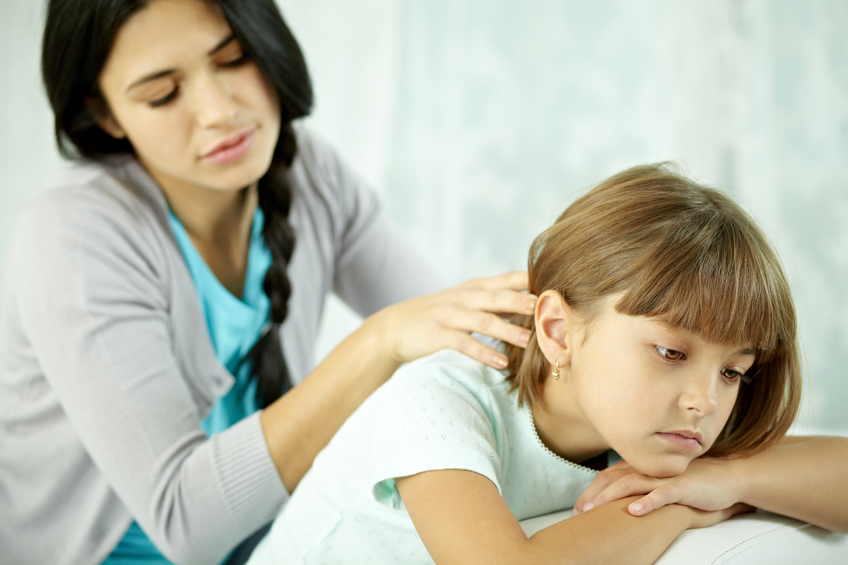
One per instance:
(232, 148)
(687, 440)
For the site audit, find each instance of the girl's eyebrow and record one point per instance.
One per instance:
(159, 74)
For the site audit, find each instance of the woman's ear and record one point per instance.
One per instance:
(104, 118)
(555, 327)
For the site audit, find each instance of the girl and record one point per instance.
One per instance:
(664, 331)
(169, 286)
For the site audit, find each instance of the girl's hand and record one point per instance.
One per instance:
(707, 484)
(444, 320)
(707, 518)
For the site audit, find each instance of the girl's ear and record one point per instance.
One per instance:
(104, 118)
(555, 327)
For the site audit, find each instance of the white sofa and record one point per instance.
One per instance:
(759, 538)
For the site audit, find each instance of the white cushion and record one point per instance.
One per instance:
(760, 538)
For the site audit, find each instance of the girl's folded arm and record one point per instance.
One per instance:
(803, 478)
(462, 518)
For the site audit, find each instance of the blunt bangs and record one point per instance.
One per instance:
(715, 278)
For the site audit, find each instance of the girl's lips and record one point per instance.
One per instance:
(232, 148)
(685, 441)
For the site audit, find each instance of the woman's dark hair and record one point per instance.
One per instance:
(78, 36)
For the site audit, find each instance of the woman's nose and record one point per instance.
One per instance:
(214, 103)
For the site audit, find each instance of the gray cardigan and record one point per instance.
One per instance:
(106, 366)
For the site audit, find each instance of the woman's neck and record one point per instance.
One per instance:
(219, 219)
(219, 224)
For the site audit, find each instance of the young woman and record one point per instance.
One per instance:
(164, 294)
(664, 331)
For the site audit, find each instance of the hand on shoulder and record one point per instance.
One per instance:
(446, 319)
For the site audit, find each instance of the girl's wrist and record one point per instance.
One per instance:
(737, 478)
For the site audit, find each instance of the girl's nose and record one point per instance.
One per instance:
(214, 103)
(701, 393)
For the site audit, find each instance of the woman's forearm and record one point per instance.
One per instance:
(301, 423)
(804, 478)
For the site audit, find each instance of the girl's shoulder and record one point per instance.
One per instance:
(449, 378)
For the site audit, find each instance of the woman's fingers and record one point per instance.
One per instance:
(426, 324)
(500, 300)
(486, 323)
(512, 280)
(469, 346)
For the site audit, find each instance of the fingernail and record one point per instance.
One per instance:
(499, 360)
(588, 506)
(636, 507)
(530, 304)
(525, 337)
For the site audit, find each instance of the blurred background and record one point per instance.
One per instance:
(478, 122)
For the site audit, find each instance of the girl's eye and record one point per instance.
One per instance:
(670, 354)
(164, 100)
(735, 376)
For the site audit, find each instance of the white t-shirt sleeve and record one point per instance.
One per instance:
(434, 416)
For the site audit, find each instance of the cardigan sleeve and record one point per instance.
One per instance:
(92, 292)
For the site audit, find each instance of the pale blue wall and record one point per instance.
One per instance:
(478, 122)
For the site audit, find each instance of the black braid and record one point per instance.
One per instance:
(266, 38)
(269, 364)
(77, 40)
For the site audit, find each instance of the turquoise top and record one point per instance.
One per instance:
(234, 326)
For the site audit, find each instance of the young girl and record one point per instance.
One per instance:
(664, 331)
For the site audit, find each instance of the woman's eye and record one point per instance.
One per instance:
(240, 60)
(164, 100)
(670, 354)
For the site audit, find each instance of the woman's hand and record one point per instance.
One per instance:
(444, 320)
(707, 484)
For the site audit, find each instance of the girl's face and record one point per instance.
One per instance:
(198, 113)
(658, 396)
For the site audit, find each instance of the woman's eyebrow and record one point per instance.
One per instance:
(224, 42)
(150, 77)
(159, 74)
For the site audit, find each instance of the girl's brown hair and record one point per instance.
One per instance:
(689, 256)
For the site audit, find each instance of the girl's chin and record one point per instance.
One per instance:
(660, 466)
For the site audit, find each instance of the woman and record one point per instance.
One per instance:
(129, 430)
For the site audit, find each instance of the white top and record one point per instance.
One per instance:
(106, 366)
(446, 411)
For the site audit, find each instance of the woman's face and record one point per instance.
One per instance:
(659, 396)
(198, 113)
